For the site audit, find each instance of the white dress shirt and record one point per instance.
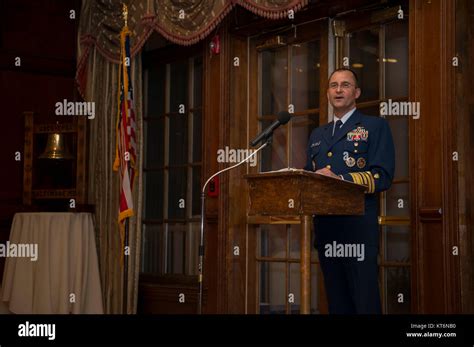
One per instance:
(344, 119)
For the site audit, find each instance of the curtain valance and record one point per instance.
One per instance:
(184, 22)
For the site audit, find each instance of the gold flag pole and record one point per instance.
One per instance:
(125, 13)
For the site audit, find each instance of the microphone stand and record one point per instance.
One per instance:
(268, 141)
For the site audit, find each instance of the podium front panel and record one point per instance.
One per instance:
(297, 193)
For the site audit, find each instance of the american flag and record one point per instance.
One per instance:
(126, 148)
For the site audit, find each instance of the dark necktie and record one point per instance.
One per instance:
(338, 126)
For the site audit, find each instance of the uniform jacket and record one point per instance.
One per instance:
(361, 151)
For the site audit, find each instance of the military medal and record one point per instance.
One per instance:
(361, 163)
(359, 134)
(350, 162)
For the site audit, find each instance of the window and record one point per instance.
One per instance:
(172, 167)
(289, 80)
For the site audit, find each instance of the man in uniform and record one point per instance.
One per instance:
(356, 148)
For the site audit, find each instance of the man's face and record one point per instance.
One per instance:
(342, 91)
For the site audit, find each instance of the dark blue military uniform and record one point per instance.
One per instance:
(361, 151)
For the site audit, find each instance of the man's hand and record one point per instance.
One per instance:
(327, 172)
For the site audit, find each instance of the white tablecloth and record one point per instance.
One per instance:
(65, 276)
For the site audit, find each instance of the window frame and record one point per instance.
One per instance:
(302, 33)
(166, 56)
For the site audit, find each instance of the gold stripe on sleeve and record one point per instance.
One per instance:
(362, 180)
(357, 178)
(353, 177)
(372, 181)
(366, 181)
(369, 181)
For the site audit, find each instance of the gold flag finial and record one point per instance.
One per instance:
(125, 13)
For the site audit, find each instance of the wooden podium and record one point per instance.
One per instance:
(290, 193)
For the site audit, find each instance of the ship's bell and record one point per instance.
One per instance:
(56, 148)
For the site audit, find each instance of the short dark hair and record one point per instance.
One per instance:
(346, 69)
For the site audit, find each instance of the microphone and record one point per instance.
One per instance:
(283, 118)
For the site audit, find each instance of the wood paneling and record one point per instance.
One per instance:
(168, 295)
(306, 189)
(224, 241)
(43, 36)
(435, 274)
(465, 119)
(40, 29)
(216, 118)
(238, 139)
(324, 72)
(25, 92)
